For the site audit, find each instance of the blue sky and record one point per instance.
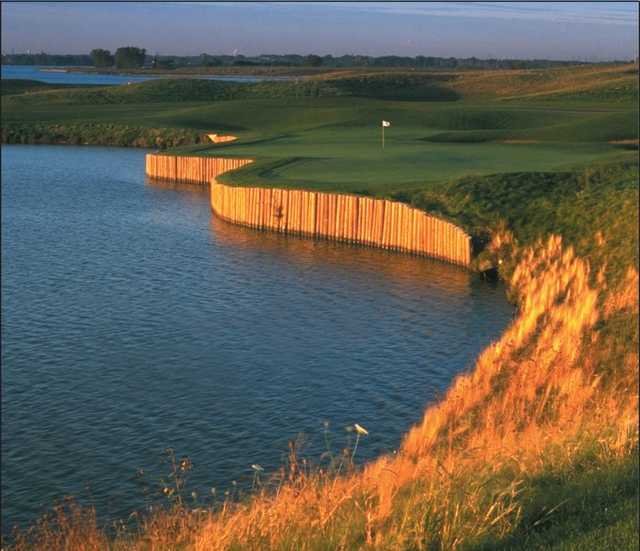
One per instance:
(556, 30)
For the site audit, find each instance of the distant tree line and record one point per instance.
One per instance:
(46, 59)
(102, 58)
(347, 61)
(127, 57)
(132, 57)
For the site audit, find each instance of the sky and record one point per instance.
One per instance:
(594, 31)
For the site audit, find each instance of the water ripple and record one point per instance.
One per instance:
(133, 321)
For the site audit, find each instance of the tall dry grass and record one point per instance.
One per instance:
(535, 400)
(524, 83)
(552, 389)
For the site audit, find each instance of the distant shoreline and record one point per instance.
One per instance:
(139, 72)
(257, 71)
(203, 71)
(273, 72)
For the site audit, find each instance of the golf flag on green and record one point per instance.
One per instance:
(384, 125)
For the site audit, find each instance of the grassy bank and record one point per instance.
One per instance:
(536, 447)
(324, 133)
(100, 134)
(11, 87)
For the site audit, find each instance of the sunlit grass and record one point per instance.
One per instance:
(533, 447)
(535, 406)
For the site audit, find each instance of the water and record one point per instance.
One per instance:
(57, 75)
(134, 321)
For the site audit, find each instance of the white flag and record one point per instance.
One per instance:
(386, 123)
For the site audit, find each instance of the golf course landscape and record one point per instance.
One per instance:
(535, 446)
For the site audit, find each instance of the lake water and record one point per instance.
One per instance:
(57, 75)
(133, 321)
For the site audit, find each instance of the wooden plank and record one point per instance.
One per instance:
(340, 217)
(294, 219)
(368, 221)
(313, 213)
(333, 225)
(319, 214)
(364, 221)
(394, 225)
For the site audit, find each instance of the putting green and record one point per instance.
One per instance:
(426, 143)
(354, 160)
(334, 142)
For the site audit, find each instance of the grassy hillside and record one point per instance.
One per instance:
(26, 86)
(612, 83)
(536, 447)
(536, 204)
(323, 132)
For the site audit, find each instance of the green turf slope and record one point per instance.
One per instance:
(324, 132)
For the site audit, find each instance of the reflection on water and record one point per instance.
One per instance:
(402, 269)
(134, 321)
(182, 187)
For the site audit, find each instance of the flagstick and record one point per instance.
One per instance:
(383, 135)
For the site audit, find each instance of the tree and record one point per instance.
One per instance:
(209, 61)
(363, 60)
(313, 60)
(130, 57)
(101, 58)
(166, 63)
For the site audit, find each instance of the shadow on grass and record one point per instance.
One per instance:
(586, 509)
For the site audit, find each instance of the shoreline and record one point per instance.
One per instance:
(334, 216)
(173, 75)
(263, 71)
(557, 305)
(553, 399)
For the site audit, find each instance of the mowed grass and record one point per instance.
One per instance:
(352, 160)
(427, 143)
(21, 86)
(335, 143)
(324, 132)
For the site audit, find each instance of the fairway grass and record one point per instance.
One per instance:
(324, 132)
(353, 161)
(334, 145)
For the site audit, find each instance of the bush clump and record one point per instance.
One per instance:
(99, 134)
